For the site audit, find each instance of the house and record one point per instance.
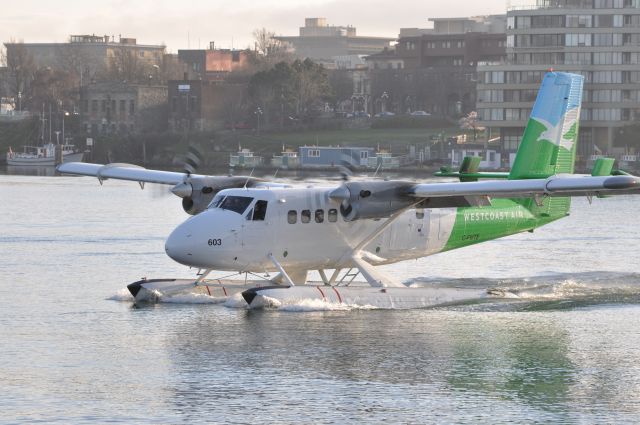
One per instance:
(384, 160)
(333, 156)
(491, 158)
(288, 159)
(244, 158)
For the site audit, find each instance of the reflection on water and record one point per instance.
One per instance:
(34, 170)
(562, 347)
(393, 365)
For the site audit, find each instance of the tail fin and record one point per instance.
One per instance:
(549, 142)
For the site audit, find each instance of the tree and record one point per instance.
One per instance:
(268, 49)
(470, 122)
(80, 63)
(342, 86)
(52, 86)
(4, 74)
(300, 88)
(21, 68)
(124, 65)
(312, 88)
(172, 68)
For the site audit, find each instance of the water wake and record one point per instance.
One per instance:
(554, 290)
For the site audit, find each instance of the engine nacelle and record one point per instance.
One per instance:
(198, 191)
(377, 199)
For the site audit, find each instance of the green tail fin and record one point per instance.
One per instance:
(549, 142)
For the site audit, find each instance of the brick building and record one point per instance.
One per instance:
(121, 108)
(202, 105)
(213, 64)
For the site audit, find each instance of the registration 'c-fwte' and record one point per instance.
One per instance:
(244, 224)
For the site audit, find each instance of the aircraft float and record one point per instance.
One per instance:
(247, 225)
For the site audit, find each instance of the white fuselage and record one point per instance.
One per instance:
(303, 229)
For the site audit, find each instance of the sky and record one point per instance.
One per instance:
(193, 23)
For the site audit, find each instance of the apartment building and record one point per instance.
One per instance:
(599, 39)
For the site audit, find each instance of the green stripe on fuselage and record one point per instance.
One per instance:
(503, 218)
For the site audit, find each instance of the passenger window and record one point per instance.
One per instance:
(333, 215)
(420, 214)
(319, 216)
(260, 211)
(305, 216)
(292, 216)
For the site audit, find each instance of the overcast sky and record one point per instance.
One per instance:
(182, 24)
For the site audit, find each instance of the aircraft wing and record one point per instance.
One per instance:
(564, 185)
(122, 171)
(196, 190)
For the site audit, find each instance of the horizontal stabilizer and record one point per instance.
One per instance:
(603, 167)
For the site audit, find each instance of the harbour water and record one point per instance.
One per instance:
(562, 347)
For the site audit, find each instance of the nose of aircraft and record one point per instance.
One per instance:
(180, 245)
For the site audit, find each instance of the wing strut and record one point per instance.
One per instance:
(358, 257)
(281, 270)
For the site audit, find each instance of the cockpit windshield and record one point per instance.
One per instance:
(236, 204)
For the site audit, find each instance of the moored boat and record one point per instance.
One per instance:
(44, 155)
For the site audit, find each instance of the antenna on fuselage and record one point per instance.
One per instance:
(248, 178)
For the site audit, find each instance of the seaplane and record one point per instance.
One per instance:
(252, 226)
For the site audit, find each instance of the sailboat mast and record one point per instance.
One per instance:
(42, 120)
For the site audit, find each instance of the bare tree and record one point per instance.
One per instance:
(80, 63)
(4, 74)
(21, 68)
(124, 65)
(269, 50)
(471, 122)
(341, 82)
(172, 68)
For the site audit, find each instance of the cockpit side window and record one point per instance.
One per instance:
(217, 200)
(260, 210)
(236, 204)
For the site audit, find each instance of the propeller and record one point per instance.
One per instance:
(192, 160)
(342, 194)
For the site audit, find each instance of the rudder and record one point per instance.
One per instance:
(549, 141)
